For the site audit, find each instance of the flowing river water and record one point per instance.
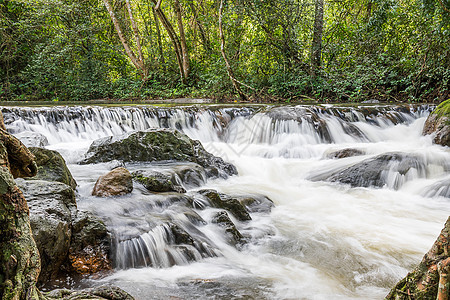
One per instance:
(321, 240)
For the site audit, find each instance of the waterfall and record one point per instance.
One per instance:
(358, 196)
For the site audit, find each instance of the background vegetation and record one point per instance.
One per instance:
(394, 50)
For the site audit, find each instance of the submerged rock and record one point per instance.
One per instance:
(52, 167)
(386, 169)
(430, 279)
(222, 218)
(438, 189)
(32, 139)
(438, 123)
(157, 182)
(344, 153)
(226, 202)
(52, 205)
(115, 183)
(157, 145)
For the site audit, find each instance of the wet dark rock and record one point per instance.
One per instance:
(181, 236)
(90, 244)
(344, 153)
(157, 145)
(51, 167)
(370, 172)
(52, 205)
(438, 189)
(192, 175)
(228, 203)
(115, 183)
(255, 203)
(157, 182)
(430, 279)
(97, 293)
(302, 114)
(222, 219)
(438, 123)
(32, 139)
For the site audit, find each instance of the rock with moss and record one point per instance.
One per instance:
(431, 278)
(155, 181)
(228, 203)
(19, 256)
(97, 293)
(438, 123)
(118, 182)
(157, 145)
(52, 167)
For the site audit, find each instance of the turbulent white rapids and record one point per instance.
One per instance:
(322, 240)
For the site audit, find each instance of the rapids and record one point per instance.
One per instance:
(322, 240)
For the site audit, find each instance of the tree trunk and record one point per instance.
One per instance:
(233, 79)
(138, 63)
(173, 36)
(19, 256)
(183, 44)
(316, 47)
(137, 39)
(203, 36)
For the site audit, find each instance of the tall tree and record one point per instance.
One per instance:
(316, 46)
(137, 61)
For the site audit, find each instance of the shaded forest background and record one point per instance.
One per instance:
(337, 50)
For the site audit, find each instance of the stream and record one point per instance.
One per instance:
(328, 236)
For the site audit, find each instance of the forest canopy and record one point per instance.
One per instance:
(327, 50)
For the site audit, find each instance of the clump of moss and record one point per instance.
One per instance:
(443, 109)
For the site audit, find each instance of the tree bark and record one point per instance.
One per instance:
(203, 36)
(158, 34)
(19, 256)
(138, 63)
(183, 44)
(137, 39)
(316, 47)
(173, 36)
(233, 79)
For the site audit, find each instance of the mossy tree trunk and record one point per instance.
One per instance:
(19, 256)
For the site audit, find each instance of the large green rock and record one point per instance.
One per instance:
(438, 122)
(157, 145)
(52, 167)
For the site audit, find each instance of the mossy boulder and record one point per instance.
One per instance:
(157, 182)
(430, 279)
(157, 145)
(228, 203)
(438, 123)
(52, 167)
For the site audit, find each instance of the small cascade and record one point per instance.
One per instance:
(164, 246)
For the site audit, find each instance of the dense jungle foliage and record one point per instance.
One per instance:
(328, 50)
